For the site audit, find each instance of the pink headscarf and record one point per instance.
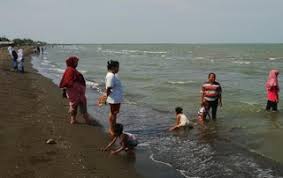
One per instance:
(272, 80)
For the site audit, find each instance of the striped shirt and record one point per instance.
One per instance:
(211, 91)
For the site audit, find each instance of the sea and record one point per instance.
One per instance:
(244, 141)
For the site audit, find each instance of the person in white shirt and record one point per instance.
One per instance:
(20, 60)
(114, 92)
(181, 119)
(10, 49)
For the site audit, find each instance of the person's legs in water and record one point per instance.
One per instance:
(268, 105)
(83, 110)
(114, 110)
(274, 106)
(213, 105)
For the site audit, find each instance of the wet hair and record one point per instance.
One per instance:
(111, 64)
(178, 110)
(118, 129)
(211, 73)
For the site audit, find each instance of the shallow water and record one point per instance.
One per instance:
(243, 142)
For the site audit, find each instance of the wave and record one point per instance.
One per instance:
(242, 62)
(136, 52)
(58, 70)
(180, 82)
(274, 58)
(160, 162)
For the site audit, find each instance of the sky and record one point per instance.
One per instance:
(143, 21)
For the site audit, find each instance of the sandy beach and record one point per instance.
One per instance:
(33, 111)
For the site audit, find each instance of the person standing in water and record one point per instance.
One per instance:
(114, 92)
(211, 93)
(272, 90)
(74, 87)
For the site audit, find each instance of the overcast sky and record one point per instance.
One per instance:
(143, 21)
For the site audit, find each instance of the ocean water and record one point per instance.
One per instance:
(245, 141)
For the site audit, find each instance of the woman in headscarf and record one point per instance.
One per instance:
(272, 90)
(74, 87)
(20, 60)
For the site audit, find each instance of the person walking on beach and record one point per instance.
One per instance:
(14, 56)
(74, 87)
(272, 90)
(20, 61)
(211, 93)
(114, 92)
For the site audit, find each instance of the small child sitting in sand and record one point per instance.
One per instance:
(181, 120)
(127, 141)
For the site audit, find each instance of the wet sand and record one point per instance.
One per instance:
(32, 111)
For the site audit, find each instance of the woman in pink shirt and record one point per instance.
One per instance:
(272, 89)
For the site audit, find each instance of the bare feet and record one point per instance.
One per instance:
(73, 121)
(88, 121)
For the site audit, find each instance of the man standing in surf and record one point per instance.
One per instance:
(211, 93)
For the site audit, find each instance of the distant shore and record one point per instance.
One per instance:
(32, 111)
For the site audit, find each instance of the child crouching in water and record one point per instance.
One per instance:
(203, 111)
(127, 141)
(181, 120)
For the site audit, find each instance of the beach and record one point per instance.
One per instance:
(32, 111)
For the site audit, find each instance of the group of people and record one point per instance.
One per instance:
(74, 87)
(17, 59)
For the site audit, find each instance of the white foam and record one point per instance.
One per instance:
(242, 62)
(58, 70)
(92, 84)
(160, 162)
(180, 82)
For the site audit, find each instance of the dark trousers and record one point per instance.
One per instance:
(213, 105)
(271, 104)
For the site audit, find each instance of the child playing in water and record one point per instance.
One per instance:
(127, 141)
(181, 119)
(203, 111)
(272, 89)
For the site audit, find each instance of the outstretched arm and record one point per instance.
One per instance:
(177, 123)
(110, 144)
(123, 146)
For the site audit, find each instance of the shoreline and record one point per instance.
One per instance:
(32, 111)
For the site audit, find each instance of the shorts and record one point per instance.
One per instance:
(271, 105)
(73, 109)
(132, 144)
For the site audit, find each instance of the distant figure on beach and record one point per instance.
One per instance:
(74, 87)
(181, 120)
(204, 111)
(10, 49)
(114, 92)
(14, 56)
(211, 93)
(127, 141)
(272, 90)
(20, 61)
(38, 49)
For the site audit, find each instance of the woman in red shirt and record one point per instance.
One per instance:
(272, 90)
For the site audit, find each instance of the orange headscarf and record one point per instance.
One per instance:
(71, 74)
